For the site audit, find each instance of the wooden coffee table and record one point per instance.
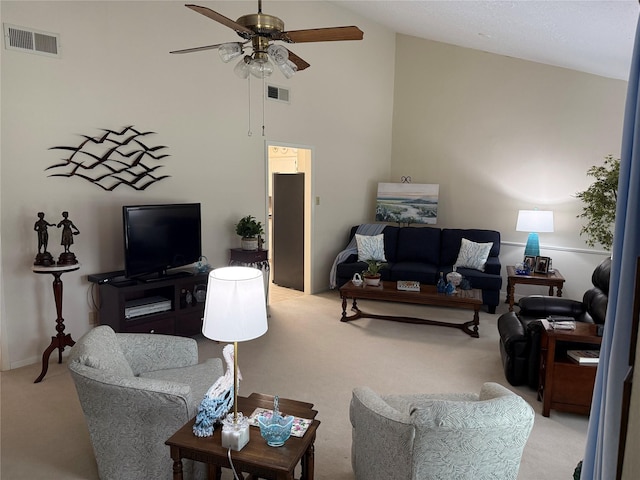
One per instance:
(257, 458)
(428, 295)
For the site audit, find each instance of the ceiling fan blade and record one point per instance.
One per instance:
(300, 63)
(227, 22)
(322, 34)
(197, 49)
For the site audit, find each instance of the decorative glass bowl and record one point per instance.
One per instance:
(275, 429)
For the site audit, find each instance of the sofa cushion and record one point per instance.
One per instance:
(101, 349)
(473, 255)
(370, 247)
(452, 239)
(420, 272)
(391, 242)
(419, 244)
(481, 280)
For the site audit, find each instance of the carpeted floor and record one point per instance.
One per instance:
(307, 354)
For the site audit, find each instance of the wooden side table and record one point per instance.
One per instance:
(564, 384)
(61, 340)
(257, 458)
(551, 280)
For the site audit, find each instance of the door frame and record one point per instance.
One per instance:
(309, 206)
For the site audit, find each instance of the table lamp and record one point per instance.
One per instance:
(235, 311)
(534, 221)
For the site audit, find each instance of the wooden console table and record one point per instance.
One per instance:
(551, 280)
(61, 340)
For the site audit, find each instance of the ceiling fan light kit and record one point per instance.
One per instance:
(229, 51)
(262, 30)
(260, 67)
(242, 68)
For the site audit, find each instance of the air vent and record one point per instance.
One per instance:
(31, 41)
(278, 94)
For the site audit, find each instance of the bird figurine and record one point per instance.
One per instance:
(218, 400)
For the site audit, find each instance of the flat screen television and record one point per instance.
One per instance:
(158, 238)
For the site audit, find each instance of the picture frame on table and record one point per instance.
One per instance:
(542, 264)
(530, 262)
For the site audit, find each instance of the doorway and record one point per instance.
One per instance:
(289, 192)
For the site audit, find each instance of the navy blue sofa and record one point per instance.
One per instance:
(421, 253)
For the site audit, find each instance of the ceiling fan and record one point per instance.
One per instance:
(262, 30)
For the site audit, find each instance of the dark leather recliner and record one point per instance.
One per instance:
(520, 333)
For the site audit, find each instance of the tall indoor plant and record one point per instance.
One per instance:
(600, 203)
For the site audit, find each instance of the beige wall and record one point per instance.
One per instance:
(499, 135)
(115, 70)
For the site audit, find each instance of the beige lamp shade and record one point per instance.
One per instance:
(235, 308)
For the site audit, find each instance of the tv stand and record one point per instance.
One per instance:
(158, 277)
(184, 318)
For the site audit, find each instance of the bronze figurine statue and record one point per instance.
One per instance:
(68, 231)
(43, 258)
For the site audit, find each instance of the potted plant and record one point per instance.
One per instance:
(600, 203)
(249, 229)
(372, 274)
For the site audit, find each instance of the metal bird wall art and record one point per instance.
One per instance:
(112, 159)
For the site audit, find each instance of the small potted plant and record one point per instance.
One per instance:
(249, 229)
(372, 274)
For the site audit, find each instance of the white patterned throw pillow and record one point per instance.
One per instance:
(370, 247)
(473, 255)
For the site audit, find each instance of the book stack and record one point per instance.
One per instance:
(408, 285)
(584, 357)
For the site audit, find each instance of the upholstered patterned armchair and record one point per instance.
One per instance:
(447, 436)
(136, 390)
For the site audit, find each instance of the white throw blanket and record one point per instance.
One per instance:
(352, 248)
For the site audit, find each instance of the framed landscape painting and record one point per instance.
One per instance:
(407, 202)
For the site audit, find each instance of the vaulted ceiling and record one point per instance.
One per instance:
(592, 36)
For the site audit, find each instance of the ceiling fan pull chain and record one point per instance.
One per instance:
(264, 90)
(249, 132)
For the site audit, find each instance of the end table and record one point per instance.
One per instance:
(61, 340)
(257, 458)
(565, 385)
(551, 280)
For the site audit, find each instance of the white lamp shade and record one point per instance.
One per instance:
(235, 308)
(538, 221)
